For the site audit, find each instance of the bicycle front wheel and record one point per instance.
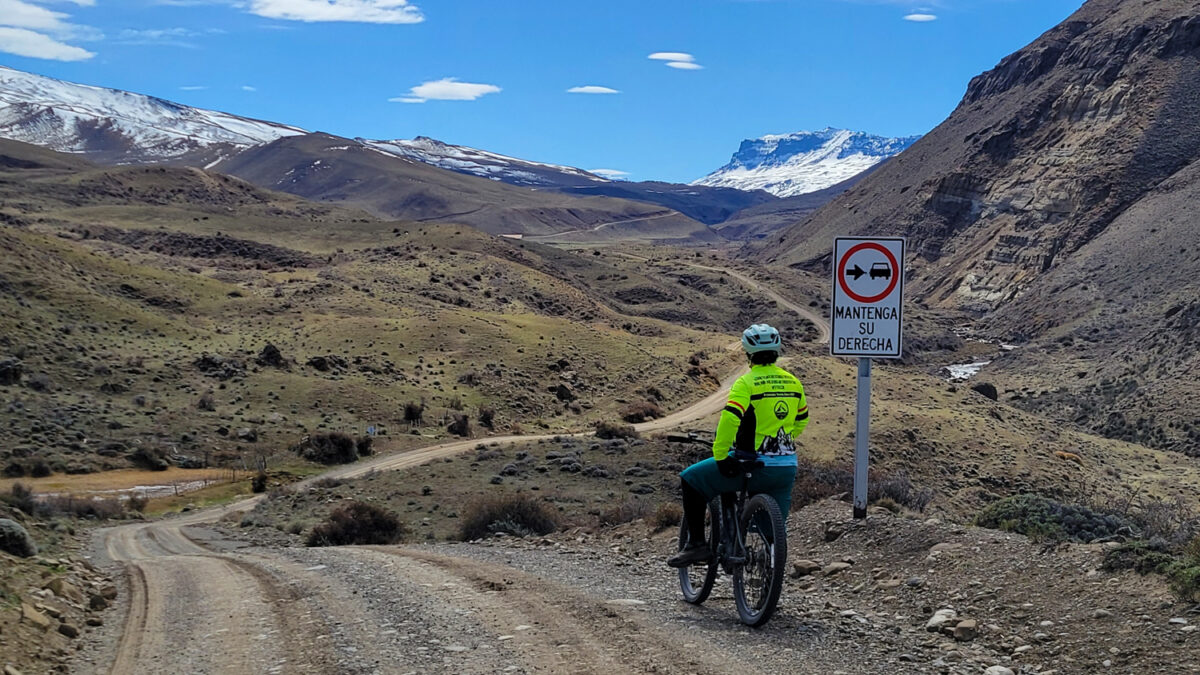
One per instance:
(696, 581)
(758, 582)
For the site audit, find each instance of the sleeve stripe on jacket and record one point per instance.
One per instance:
(736, 413)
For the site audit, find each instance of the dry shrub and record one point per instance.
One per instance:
(328, 483)
(517, 514)
(106, 508)
(667, 515)
(487, 418)
(21, 497)
(609, 430)
(639, 412)
(258, 484)
(334, 447)
(364, 446)
(461, 426)
(137, 503)
(819, 480)
(625, 512)
(414, 412)
(358, 523)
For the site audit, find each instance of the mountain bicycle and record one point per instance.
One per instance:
(750, 544)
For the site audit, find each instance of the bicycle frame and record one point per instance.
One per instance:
(732, 550)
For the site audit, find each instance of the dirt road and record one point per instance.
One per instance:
(200, 604)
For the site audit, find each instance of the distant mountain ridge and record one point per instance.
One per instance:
(485, 164)
(119, 127)
(115, 127)
(787, 165)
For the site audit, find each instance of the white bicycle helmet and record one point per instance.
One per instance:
(761, 338)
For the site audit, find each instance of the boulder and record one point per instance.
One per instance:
(69, 630)
(15, 539)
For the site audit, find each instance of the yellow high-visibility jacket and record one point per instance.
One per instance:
(767, 410)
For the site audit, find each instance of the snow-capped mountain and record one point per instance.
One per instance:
(807, 161)
(119, 127)
(485, 164)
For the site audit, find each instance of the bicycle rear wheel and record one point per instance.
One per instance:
(696, 581)
(758, 582)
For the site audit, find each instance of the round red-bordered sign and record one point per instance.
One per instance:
(867, 300)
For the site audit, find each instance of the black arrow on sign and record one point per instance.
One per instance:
(857, 272)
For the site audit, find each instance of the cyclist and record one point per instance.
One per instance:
(766, 411)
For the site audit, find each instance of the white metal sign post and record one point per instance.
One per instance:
(868, 321)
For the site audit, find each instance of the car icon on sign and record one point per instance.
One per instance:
(881, 270)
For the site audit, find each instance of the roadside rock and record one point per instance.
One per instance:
(803, 568)
(998, 670)
(834, 568)
(69, 630)
(834, 531)
(33, 617)
(940, 620)
(966, 630)
(15, 539)
(63, 589)
(97, 602)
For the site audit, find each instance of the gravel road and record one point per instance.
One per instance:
(199, 603)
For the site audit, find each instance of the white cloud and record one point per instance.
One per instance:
(18, 14)
(677, 60)
(363, 11)
(174, 37)
(592, 89)
(246, 87)
(193, 87)
(448, 89)
(609, 173)
(24, 42)
(672, 56)
(32, 30)
(920, 17)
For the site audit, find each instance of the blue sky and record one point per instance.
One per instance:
(724, 70)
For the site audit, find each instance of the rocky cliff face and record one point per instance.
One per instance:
(1042, 154)
(1057, 204)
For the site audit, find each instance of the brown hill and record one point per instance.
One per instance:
(331, 169)
(1054, 201)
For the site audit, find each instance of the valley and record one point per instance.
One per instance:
(277, 400)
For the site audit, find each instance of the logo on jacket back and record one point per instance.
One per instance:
(781, 410)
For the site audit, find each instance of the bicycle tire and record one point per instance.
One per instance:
(693, 592)
(765, 564)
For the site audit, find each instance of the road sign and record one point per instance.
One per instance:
(868, 294)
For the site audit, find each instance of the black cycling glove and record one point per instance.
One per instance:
(729, 467)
